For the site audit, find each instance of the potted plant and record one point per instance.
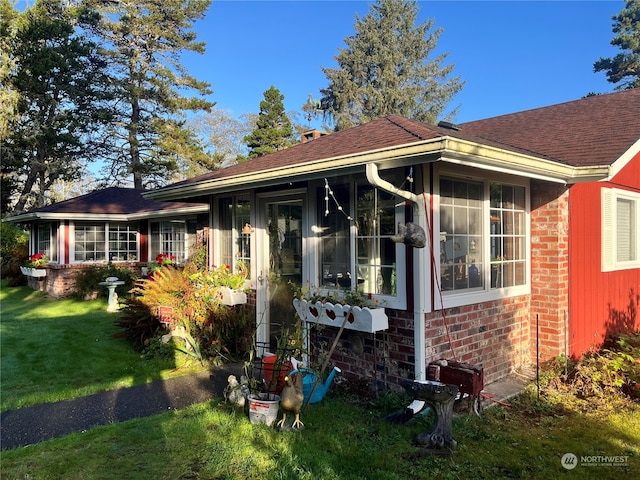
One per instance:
(231, 283)
(265, 374)
(353, 310)
(33, 266)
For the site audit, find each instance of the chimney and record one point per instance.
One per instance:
(312, 134)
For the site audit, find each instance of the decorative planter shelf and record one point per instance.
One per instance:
(33, 272)
(232, 297)
(362, 319)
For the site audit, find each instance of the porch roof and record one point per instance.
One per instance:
(114, 203)
(569, 142)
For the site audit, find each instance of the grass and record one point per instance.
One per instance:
(344, 437)
(53, 350)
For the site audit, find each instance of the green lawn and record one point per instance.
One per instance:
(57, 349)
(342, 438)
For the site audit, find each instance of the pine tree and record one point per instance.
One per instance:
(385, 69)
(273, 128)
(55, 75)
(624, 67)
(143, 41)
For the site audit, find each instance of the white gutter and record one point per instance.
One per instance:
(419, 283)
(124, 217)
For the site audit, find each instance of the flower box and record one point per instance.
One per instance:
(232, 297)
(363, 319)
(33, 272)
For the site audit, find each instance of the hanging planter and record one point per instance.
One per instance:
(232, 297)
(33, 272)
(363, 319)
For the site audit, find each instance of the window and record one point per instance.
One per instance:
(355, 223)
(235, 231)
(123, 242)
(46, 242)
(90, 242)
(334, 228)
(169, 237)
(375, 251)
(482, 236)
(620, 220)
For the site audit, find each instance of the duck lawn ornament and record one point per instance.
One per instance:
(291, 400)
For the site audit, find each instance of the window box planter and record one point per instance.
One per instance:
(232, 297)
(362, 319)
(33, 272)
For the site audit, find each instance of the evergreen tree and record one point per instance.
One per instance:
(143, 41)
(624, 67)
(53, 77)
(273, 128)
(385, 69)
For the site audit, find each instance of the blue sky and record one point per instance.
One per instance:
(513, 55)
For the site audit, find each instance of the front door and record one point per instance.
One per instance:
(282, 262)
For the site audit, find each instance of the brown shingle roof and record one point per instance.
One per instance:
(381, 133)
(111, 201)
(587, 132)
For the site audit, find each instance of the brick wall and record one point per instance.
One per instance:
(549, 268)
(60, 279)
(493, 334)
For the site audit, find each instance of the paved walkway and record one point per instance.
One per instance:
(30, 425)
(41, 422)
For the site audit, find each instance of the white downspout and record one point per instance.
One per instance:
(419, 278)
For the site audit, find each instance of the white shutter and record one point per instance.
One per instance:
(608, 229)
(624, 223)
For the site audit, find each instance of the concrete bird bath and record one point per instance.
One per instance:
(441, 397)
(111, 283)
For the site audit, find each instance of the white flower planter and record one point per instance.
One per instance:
(363, 319)
(33, 272)
(232, 297)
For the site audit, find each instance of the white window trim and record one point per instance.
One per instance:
(469, 297)
(609, 255)
(72, 245)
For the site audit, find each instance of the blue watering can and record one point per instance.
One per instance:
(310, 381)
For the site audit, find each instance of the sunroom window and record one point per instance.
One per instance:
(123, 242)
(91, 244)
(46, 241)
(354, 228)
(169, 237)
(235, 231)
(482, 235)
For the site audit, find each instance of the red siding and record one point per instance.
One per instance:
(600, 303)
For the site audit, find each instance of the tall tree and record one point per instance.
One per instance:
(223, 137)
(274, 130)
(385, 69)
(624, 67)
(56, 74)
(143, 41)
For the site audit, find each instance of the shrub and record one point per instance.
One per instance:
(88, 280)
(613, 370)
(13, 241)
(191, 296)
